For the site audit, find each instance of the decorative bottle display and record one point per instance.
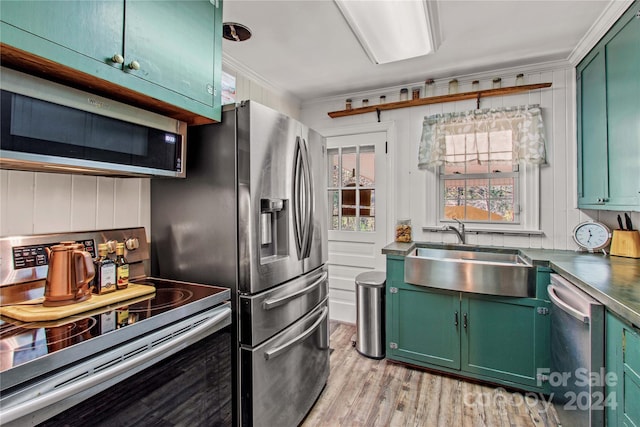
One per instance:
(105, 280)
(122, 268)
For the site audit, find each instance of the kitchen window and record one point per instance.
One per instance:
(487, 165)
(351, 187)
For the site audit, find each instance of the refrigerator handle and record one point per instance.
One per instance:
(297, 198)
(309, 201)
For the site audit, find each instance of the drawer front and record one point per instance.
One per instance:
(292, 367)
(265, 314)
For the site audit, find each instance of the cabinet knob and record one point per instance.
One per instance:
(111, 246)
(134, 65)
(117, 59)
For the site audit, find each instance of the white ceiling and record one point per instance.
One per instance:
(305, 47)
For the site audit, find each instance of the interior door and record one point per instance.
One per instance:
(356, 195)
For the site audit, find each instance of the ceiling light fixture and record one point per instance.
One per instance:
(393, 30)
(235, 32)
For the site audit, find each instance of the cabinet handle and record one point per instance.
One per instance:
(134, 65)
(455, 320)
(464, 320)
(117, 59)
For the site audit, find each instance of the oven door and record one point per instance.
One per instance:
(178, 375)
(291, 367)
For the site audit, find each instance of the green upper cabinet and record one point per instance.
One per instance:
(176, 54)
(165, 55)
(92, 29)
(608, 103)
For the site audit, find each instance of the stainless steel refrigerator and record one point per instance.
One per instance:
(252, 216)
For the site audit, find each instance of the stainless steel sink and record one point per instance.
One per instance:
(482, 271)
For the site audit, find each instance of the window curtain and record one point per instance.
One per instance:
(525, 123)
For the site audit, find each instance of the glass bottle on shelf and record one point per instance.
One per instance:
(348, 104)
(497, 83)
(475, 85)
(105, 279)
(404, 94)
(520, 79)
(453, 86)
(429, 88)
(383, 99)
(365, 102)
(415, 93)
(122, 268)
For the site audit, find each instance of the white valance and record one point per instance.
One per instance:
(525, 123)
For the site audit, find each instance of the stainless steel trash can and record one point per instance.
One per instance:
(370, 290)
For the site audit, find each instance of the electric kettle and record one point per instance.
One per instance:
(70, 272)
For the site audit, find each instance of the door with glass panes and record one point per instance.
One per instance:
(356, 191)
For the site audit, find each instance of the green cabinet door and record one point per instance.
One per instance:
(425, 325)
(80, 34)
(175, 54)
(505, 338)
(622, 358)
(608, 107)
(592, 131)
(623, 111)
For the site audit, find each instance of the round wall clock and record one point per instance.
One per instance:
(592, 235)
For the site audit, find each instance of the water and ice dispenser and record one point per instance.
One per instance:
(273, 228)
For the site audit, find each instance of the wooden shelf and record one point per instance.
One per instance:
(440, 98)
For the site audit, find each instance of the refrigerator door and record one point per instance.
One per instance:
(267, 313)
(283, 377)
(267, 251)
(317, 253)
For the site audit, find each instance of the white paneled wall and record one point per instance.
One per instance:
(35, 202)
(415, 191)
(247, 88)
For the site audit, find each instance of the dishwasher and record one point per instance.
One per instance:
(577, 371)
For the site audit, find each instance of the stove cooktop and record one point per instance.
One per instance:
(28, 350)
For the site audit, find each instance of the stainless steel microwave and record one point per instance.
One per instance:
(49, 127)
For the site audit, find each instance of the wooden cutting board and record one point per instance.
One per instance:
(34, 311)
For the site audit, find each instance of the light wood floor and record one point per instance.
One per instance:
(367, 392)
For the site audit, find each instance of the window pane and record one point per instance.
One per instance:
(348, 203)
(503, 199)
(333, 209)
(367, 203)
(334, 167)
(367, 224)
(349, 223)
(367, 166)
(349, 167)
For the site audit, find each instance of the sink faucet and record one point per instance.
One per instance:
(459, 231)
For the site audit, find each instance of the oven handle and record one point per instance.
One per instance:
(48, 399)
(277, 351)
(276, 302)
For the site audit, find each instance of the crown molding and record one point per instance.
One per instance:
(230, 63)
(605, 21)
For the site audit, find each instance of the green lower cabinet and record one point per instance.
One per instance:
(505, 338)
(424, 325)
(497, 339)
(623, 359)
